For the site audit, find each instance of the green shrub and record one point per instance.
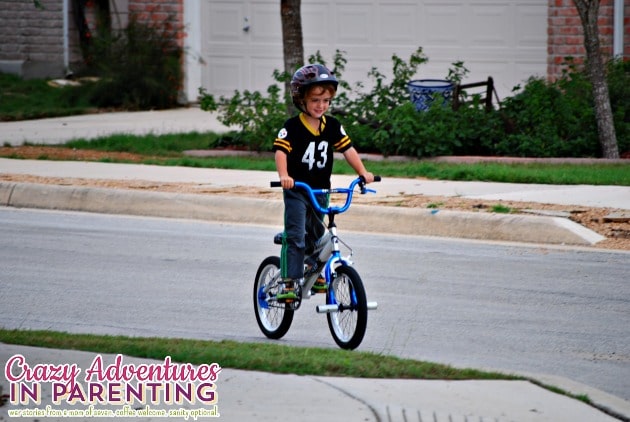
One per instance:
(139, 67)
(367, 115)
(259, 117)
(619, 91)
(440, 130)
(542, 120)
(384, 97)
(557, 119)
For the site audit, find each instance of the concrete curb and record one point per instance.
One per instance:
(469, 225)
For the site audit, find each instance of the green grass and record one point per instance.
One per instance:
(263, 357)
(168, 150)
(169, 145)
(251, 356)
(537, 173)
(501, 209)
(34, 99)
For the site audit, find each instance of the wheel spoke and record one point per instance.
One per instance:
(274, 319)
(348, 325)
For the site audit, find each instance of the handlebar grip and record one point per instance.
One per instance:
(376, 179)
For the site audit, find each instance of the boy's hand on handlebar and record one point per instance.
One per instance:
(287, 182)
(368, 177)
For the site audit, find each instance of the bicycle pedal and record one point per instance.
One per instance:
(290, 293)
(320, 285)
(287, 296)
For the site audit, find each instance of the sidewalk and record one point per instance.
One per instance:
(88, 126)
(258, 396)
(244, 395)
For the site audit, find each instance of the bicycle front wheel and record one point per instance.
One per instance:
(274, 319)
(348, 324)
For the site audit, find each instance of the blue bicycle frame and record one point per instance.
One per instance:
(346, 306)
(349, 191)
(335, 259)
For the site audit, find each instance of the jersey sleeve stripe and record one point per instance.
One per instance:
(282, 144)
(343, 143)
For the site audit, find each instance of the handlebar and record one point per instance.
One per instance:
(349, 191)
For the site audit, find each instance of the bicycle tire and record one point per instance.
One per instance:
(274, 319)
(347, 325)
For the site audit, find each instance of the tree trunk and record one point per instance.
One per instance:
(589, 11)
(292, 43)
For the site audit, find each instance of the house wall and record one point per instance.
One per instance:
(32, 38)
(238, 46)
(565, 34)
(233, 59)
(37, 43)
(34, 43)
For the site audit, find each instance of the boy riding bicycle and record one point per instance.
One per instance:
(304, 152)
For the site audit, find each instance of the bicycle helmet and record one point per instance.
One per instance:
(309, 75)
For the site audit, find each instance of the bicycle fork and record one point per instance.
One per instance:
(331, 254)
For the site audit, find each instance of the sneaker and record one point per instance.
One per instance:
(288, 292)
(320, 285)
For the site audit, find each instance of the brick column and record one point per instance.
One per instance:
(565, 34)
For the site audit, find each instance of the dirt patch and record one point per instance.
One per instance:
(56, 153)
(617, 233)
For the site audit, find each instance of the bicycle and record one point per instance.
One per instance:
(346, 305)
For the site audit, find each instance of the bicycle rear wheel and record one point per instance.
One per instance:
(274, 319)
(348, 324)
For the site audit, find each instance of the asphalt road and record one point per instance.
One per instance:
(558, 311)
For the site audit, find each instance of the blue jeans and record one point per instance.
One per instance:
(302, 227)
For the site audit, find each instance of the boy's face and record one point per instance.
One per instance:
(317, 101)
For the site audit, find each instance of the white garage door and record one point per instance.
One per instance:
(236, 45)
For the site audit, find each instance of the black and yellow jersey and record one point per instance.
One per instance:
(309, 152)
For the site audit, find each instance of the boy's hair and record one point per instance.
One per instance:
(324, 87)
(308, 76)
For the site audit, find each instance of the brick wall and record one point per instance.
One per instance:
(32, 37)
(565, 33)
(31, 33)
(161, 11)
